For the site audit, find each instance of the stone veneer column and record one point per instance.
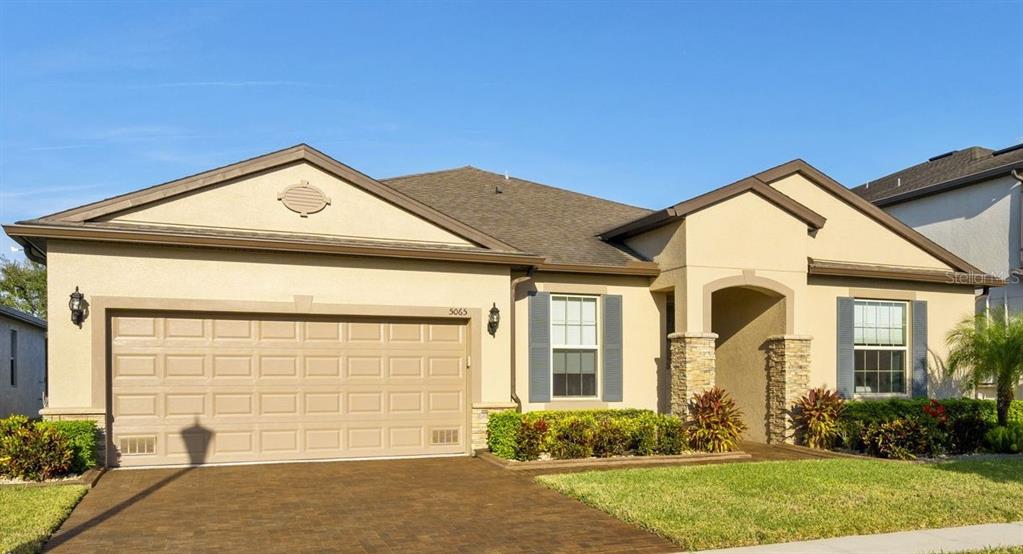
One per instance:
(788, 378)
(692, 368)
(480, 417)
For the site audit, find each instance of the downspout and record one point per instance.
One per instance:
(514, 290)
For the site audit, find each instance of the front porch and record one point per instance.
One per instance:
(746, 346)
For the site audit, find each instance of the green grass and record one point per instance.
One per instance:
(701, 507)
(995, 550)
(29, 514)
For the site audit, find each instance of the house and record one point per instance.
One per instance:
(289, 307)
(23, 369)
(969, 202)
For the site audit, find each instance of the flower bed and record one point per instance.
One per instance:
(715, 426)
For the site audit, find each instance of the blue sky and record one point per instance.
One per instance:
(645, 103)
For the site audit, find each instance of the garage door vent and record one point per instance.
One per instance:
(445, 436)
(137, 446)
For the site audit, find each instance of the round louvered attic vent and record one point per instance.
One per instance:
(303, 199)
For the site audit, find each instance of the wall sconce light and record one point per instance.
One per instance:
(78, 307)
(493, 320)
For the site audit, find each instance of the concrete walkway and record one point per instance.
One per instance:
(952, 539)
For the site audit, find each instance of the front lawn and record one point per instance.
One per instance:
(702, 507)
(29, 514)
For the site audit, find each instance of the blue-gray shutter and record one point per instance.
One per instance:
(919, 347)
(540, 347)
(612, 344)
(845, 323)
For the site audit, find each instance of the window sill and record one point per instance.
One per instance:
(879, 395)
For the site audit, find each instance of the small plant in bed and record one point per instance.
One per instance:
(715, 422)
(817, 414)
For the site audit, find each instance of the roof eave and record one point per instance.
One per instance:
(31, 230)
(834, 268)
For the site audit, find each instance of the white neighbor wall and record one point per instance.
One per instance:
(981, 224)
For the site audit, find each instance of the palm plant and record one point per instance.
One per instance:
(989, 347)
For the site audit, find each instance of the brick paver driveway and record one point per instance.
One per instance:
(435, 505)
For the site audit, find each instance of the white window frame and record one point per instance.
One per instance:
(907, 370)
(596, 348)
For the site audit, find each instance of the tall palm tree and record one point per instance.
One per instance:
(990, 347)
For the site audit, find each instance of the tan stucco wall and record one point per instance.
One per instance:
(743, 319)
(850, 235)
(105, 269)
(27, 397)
(251, 204)
(642, 342)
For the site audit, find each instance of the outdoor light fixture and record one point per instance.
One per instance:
(77, 305)
(494, 320)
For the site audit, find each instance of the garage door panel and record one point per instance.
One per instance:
(226, 389)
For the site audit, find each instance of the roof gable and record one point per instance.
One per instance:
(154, 205)
(864, 213)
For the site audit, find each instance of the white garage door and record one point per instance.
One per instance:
(214, 388)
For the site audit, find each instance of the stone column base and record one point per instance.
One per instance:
(89, 414)
(788, 378)
(480, 416)
(692, 368)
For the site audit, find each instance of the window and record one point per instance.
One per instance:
(14, 358)
(881, 351)
(574, 346)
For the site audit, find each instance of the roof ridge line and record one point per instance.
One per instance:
(423, 173)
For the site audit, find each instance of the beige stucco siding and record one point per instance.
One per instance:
(251, 204)
(850, 235)
(216, 275)
(643, 338)
(26, 396)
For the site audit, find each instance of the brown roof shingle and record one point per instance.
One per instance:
(557, 223)
(941, 172)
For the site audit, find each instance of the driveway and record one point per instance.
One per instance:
(428, 505)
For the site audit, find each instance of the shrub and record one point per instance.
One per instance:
(613, 437)
(502, 428)
(1006, 440)
(82, 436)
(817, 416)
(613, 432)
(572, 438)
(953, 425)
(900, 439)
(529, 439)
(716, 423)
(33, 452)
(671, 436)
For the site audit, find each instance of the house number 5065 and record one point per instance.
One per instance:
(458, 311)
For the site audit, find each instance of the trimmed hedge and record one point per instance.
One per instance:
(82, 436)
(906, 428)
(583, 433)
(880, 411)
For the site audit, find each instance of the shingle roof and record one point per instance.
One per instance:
(557, 223)
(960, 167)
(24, 317)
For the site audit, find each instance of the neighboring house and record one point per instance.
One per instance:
(289, 307)
(22, 363)
(969, 202)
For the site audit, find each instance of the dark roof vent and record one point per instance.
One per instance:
(1007, 149)
(940, 156)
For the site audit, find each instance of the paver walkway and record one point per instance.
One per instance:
(952, 539)
(428, 505)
